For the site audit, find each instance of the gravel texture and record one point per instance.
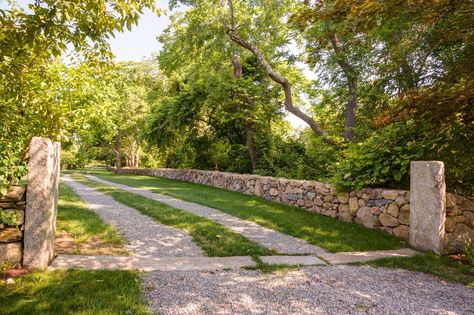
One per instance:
(144, 236)
(268, 238)
(310, 290)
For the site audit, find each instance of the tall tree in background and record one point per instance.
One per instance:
(232, 30)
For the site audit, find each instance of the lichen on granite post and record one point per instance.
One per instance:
(41, 203)
(427, 205)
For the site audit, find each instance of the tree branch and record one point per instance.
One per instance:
(278, 78)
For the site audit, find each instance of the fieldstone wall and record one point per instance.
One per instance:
(385, 209)
(13, 206)
(459, 224)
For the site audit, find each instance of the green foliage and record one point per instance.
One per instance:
(9, 217)
(469, 252)
(38, 95)
(383, 159)
(13, 163)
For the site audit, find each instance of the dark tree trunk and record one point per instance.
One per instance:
(349, 132)
(252, 148)
(351, 78)
(118, 155)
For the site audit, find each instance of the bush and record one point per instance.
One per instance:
(383, 159)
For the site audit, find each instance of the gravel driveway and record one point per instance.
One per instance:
(144, 236)
(268, 238)
(310, 290)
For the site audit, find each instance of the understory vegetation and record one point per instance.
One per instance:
(368, 87)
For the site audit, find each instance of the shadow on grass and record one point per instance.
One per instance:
(74, 292)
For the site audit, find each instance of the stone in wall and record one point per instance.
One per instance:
(402, 231)
(11, 236)
(11, 253)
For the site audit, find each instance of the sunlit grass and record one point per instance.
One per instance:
(74, 292)
(329, 233)
(81, 223)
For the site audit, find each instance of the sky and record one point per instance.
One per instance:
(141, 41)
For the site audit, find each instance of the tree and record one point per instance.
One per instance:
(31, 40)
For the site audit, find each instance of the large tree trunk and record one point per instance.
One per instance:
(238, 73)
(131, 158)
(351, 78)
(275, 76)
(118, 155)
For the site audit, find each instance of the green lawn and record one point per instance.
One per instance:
(443, 267)
(215, 239)
(74, 292)
(83, 225)
(329, 233)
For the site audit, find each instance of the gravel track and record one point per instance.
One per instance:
(266, 237)
(310, 290)
(144, 236)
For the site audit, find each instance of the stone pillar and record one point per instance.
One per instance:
(41, 203)
(427, 205)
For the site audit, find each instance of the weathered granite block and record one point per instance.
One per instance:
(41, 200)
(427, 205)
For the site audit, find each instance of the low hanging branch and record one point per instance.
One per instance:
(278, 78)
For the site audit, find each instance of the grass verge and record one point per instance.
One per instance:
(442, 267)
(215, 239)
(74, 292)
(81, 231)
(328, 233)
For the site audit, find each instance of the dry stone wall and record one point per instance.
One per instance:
(12, 206)
(385, 209)
(459, 224)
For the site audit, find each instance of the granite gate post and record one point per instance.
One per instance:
(427, 205)
(41, 201)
